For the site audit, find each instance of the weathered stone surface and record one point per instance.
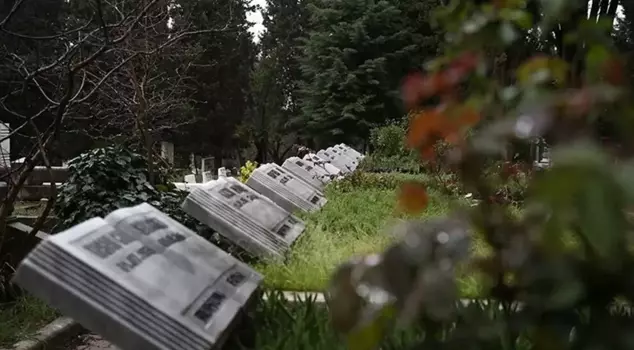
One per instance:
(141, 280)
(245, 217)
(285, 189)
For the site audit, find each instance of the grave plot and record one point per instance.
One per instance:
(325, 165)
(285, 189)
(142, 281)
(345, 164)
(308, 171)
(351, 161)
(245, 217)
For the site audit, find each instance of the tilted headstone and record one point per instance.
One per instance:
(142, 281)
(288, 191)
(350, 161)
(245, 217)
(350, 152)
(314, 175)
(341, 162)
(334, 172)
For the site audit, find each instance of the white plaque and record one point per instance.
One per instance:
(245, 217)
(141, 280)
(285, 189)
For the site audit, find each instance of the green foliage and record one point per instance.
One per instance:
(105, 179)
(355, 55)
(389, 140)
(299, 324)
(553, 269)
(247, 169)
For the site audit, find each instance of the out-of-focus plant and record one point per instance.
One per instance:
(555, 270)
(246, 170)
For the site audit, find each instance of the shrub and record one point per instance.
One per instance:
(247, 169)
(553, 272)
(105, 179)
(388, 141)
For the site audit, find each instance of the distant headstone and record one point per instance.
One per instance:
(190, 179)
(343, 163)
(5, 146)
(141, 280)
(314, 175)
(350, 161)
(167, 152)
(350, 152)
(245, 217)
(222, 172)
(325, 165)
(285, 189)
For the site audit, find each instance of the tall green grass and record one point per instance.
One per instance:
(352, 223)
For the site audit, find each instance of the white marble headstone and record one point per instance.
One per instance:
(349, 152)
(308, 171)
(335, 158)
(325, 165)
(245, 217)
(141, 280)
(285, 189)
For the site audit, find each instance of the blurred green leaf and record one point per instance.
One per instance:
(368, 336)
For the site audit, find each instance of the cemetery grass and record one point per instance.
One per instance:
(353, 223)
(22, 317)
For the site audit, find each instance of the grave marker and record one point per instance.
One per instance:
(308, 171)
(142, 281)
(325, 165)
(345, 164)
(350, 152)
(285, 189)
(245, 217)
(167, 152)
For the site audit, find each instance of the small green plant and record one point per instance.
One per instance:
(105, 179)
(247, 169)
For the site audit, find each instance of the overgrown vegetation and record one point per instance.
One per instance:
(105, 179)
(555, 269)
(21, 318)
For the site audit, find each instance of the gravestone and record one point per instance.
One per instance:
(222, 172)
(167, 152)
(5, 146)
(285, 189)
(206, 169)
(142, 281)
(350, 161)
(245, 217)
(308, 171)
(350, 152)
(343, 163)
(325, 165)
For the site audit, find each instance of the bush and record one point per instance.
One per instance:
(105, 179)
(553, 271)
(388, 141)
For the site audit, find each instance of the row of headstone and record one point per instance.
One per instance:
(259, 217)
(143, 281)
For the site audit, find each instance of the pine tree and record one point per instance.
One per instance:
(354, 57)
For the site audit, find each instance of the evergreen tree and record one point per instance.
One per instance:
(354, 57)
